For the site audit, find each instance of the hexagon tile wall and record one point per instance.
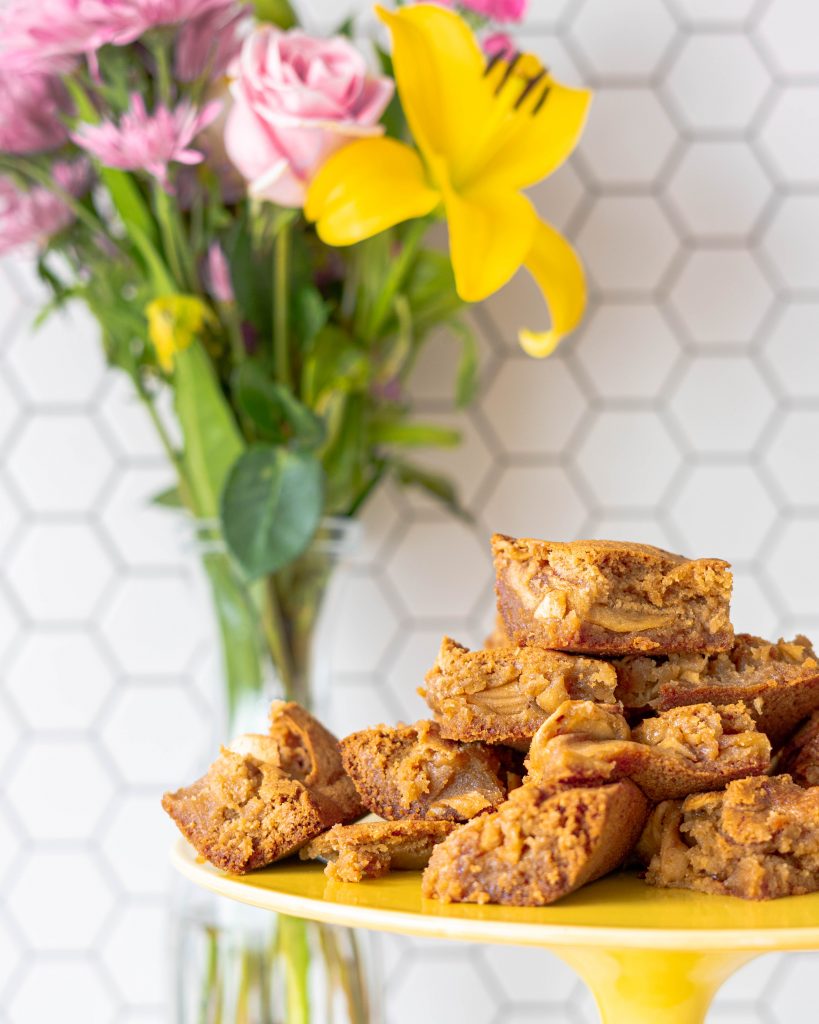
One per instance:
(684, 413)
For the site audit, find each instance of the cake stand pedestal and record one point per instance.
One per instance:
(650, 956)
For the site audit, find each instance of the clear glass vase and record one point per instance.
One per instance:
(235, 964)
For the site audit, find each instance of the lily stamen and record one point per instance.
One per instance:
(533, 81)
(539, 105)
(507, 74)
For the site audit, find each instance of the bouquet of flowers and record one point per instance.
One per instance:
(244, 209)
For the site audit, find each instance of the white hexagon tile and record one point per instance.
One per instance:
(684, 413)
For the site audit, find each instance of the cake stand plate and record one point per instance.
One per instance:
(650, 956)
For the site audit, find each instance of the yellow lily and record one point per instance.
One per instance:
(174, 322)
(484, 132)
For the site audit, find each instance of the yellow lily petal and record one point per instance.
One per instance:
(490, 234)
(367, 187)
(535, 138)
(439, 70)
(557, 269)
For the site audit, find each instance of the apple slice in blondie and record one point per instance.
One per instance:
(607, 597)
(411, 771)
(369, 849)
(505, 694)
(759, 839)
(681, 751)
(778, 681)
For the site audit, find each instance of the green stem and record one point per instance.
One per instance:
(165, 440)
(164, 217)
(295, 952)
(280, 302)
(163, 72)
(276, 636)
(395, 278)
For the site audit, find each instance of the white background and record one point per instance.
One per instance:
(685, 413)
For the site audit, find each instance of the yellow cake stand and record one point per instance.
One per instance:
(650, 956)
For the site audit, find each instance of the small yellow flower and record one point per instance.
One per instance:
(174, 322)
(483, 135)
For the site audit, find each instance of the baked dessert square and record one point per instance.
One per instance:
(759, 840)
(608, 597)
(540, 845)
(779, 681)
(369, 849)
(266, 795)
(799, 758)
(685, 750)
(411, 771)
(505, 694)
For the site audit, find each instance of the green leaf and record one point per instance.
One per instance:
(275, 410)
(466, 381)
(309, 314)
(212, 439)
(345, 456)
(271, 507)
(414, 435)
(399, 347)
(336, 364)
(437, 486)
(277, 12)
(251, 275)
(170, 498)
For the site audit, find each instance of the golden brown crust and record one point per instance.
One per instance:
(543, 843)
(778, 681)
(607, 597)
(505, 694)
(759, 839)
(369, 849)
(682, 751)
(265, 796)
(800, 756)
(413, 772)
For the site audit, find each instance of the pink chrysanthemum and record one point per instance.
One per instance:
(33, 217)
(148, 142)
(208, 44)
(30, 108)
(49, 34)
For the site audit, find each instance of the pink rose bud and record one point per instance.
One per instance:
(498, 44)
(497, 10)
(218, 272)
(296, 100)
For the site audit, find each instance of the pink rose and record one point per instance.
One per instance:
(296, 101)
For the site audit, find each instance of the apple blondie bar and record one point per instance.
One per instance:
(266, 795)
(504, 695)
(799, 758)
(778, 681)
(610, 598)
(681, 751)
(369, 849)
(758, 839)
(540, 845)
(411, 771)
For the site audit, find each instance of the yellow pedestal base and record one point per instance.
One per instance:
(641, 986)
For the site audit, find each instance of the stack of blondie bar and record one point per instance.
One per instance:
(612, 717)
